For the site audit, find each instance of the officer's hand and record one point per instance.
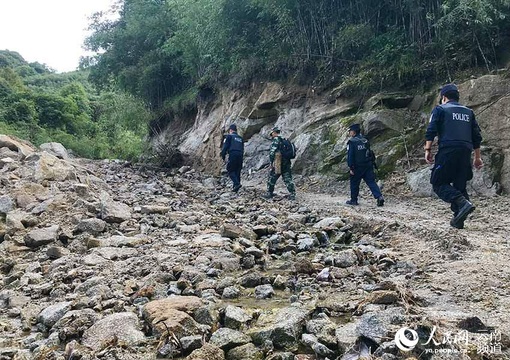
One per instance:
(428, 157)
(351, 172)
(478, 163)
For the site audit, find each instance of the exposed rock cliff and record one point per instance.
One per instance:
(317, 123)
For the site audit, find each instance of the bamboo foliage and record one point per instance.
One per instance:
(179, 44)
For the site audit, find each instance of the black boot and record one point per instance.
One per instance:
(380, 201)
(464, 209)
(268, 195)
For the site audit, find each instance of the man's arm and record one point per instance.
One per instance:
(477, 141)
(275, 145)
(226, 146)
(432, 131)
(350, 155)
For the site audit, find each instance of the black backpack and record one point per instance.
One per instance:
(288, 149)
(371, 155)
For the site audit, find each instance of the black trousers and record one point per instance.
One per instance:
(452, 170)
(367, 174)
(234, 166)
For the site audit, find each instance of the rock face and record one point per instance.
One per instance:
(394, 122)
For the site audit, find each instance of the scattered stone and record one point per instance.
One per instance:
(53, 313)
(122, 327)
(207, 352)
(227, 339)
(235, 317)
(264, 291)
(39, 237)
(245, 352)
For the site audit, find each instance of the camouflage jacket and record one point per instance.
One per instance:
(275, 146)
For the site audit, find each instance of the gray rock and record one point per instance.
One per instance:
(39, 237)
(306, 243)
(56, 252)
(346, 258)
(111, 253)
(231, 292)
(324, 329)
(245, 352)
(55, 149)
(419, 182)
(346, 336)
(209, 352)
(281, 356)
(75, 322)
(121, 326)
(6, 204)
(264, 291)
(45, 166)
(235, 317)
(250, 280)
(206, 315)
(92, 226)
(190, 343)
(113, 211)
(50, 315)
(329, 223)
(227, 339)
(248, 261)
(284, 328)
(256, 252)
(377, 326)
(13, 222)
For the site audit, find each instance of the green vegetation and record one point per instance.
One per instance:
(158, 58)
(41, 106)
(159, 49)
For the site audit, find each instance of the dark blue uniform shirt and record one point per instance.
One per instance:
(357, 156)
(233, 143)
(455, 125)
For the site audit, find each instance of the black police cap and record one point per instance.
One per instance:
(447, 88)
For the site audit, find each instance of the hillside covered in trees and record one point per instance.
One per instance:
(166, 51)
(40, 105)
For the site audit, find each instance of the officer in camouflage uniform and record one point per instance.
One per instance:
(286, 168)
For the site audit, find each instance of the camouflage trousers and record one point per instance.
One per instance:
(287, 178)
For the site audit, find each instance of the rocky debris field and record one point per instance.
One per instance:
(105, 260)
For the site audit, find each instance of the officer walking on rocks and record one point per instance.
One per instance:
(233, 145)
(360, 160)
(279, 166)
(458, 135)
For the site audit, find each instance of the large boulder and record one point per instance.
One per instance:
(17, 145)
(44, 166)
(55, 149)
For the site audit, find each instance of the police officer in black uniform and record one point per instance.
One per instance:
(459, 134)
(234, 146)
(361, 166)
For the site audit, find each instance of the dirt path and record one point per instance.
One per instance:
(465, 272)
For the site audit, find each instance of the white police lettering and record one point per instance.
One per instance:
(238, 139)
(461, 117)
(361, 147)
